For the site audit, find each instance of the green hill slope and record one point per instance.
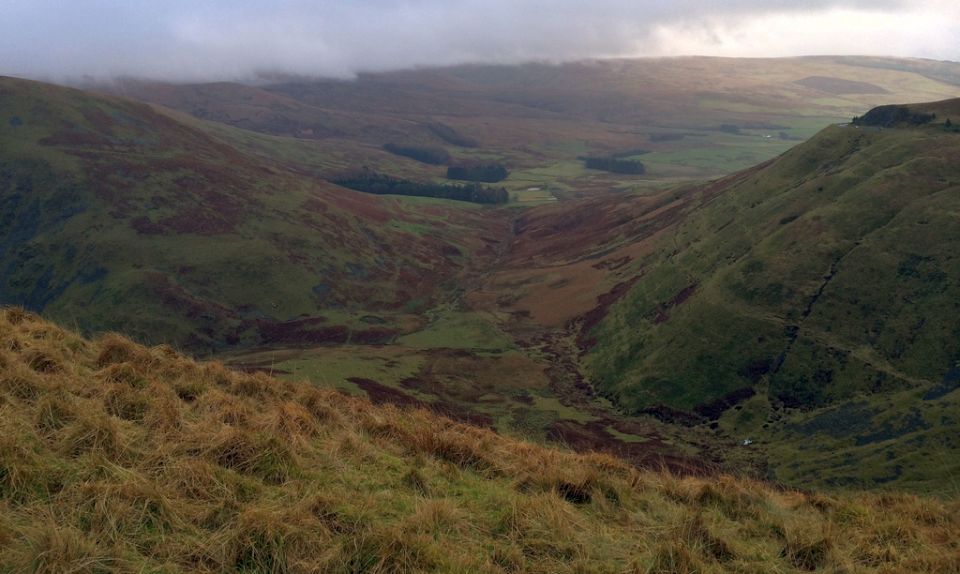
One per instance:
(117, 216)
(119, 458)
(822, 291)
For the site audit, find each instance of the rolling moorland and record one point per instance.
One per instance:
(684, 118)
(653, 316)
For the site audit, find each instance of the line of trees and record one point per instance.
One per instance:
(892, 116)
(615, 165)
(424, 154)
(486, 173)
(372, 182)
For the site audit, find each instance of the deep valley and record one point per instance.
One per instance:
(740, 270)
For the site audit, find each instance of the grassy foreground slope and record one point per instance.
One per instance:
(120, 458)
(116, 216)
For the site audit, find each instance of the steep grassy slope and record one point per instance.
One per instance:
(115, 216)
(849, 237)
(827, 279)
(120, 458)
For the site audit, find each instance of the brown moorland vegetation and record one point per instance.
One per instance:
(117, 458)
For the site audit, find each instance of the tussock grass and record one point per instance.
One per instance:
(48, 547)
(120, 458)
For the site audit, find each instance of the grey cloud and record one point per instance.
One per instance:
(220, 39)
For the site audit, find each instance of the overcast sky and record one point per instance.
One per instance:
(237, 39)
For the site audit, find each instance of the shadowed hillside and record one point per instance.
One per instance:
(120, 458)
(844, 243)
(116, 216)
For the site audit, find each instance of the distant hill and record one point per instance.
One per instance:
(120, 458)
(541, 117)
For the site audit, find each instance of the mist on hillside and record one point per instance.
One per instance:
(244, 40)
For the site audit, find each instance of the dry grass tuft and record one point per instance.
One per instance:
(258, 454)
(93, 433)
(263, 539)
(694, 534)
(15, 316)
(23, 473)
(125, 403)
(116, 349)
(544, 525)
(189, 390)
(19, 383)
(124, 507)
(122, 374)
(675, 558)
(257, 386)
(320, 404)
(7, 534)
(806, 548)
(226, 408)
(165, 415)
(466, 448)
(51, 548)
(437, 517)
(53, 413)
(292, 422)
(199, 480)
(416, 480)
(393, 550)
(738, 499)
(42, 362)
(23, 388)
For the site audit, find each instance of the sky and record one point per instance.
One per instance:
(191, 40)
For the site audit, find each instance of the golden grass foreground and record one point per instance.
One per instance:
(119, 458)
